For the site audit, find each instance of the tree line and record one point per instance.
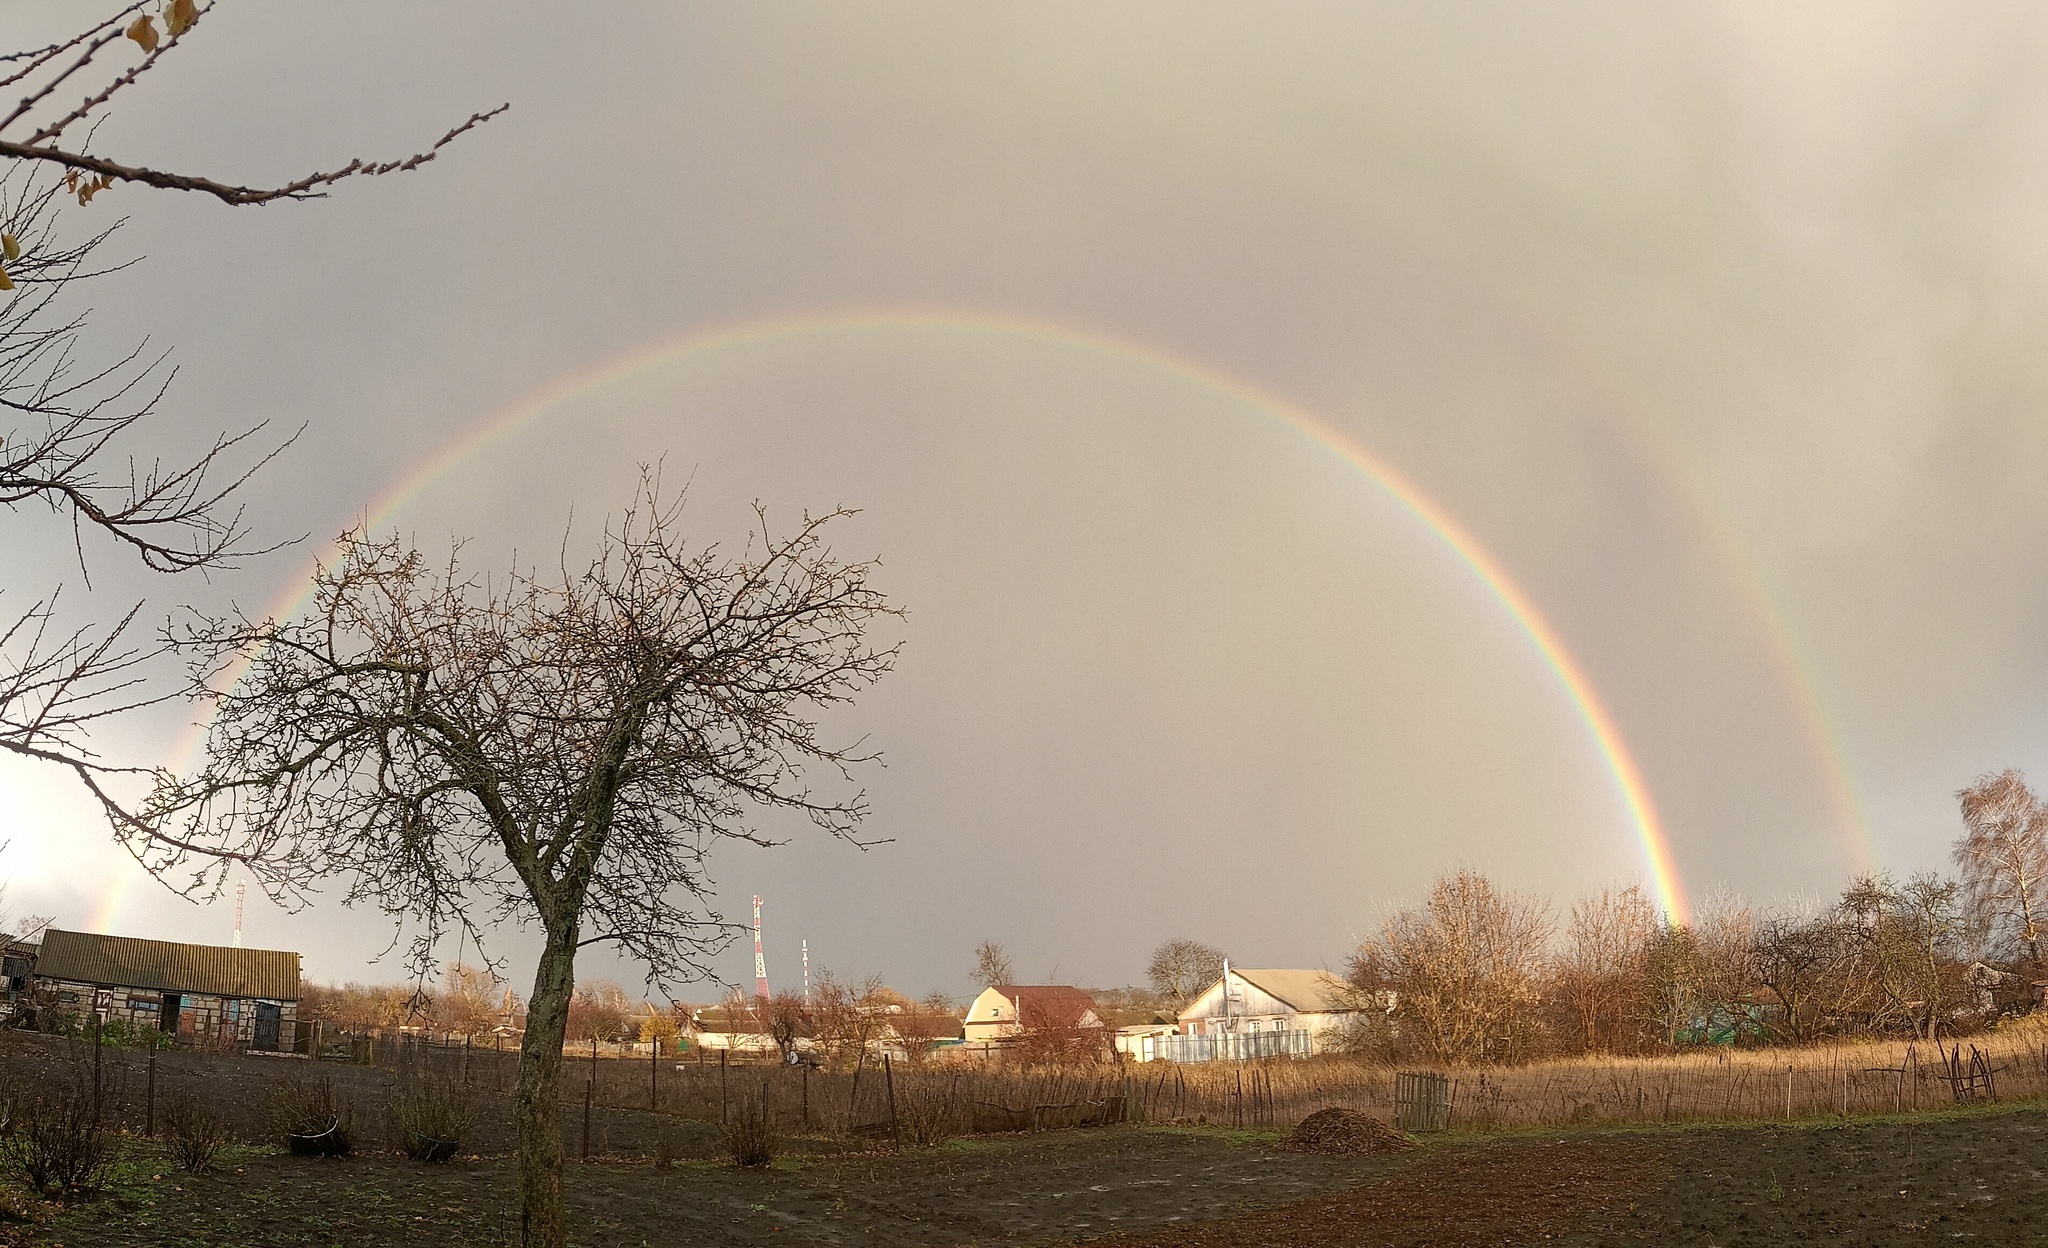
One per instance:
(1478, 973)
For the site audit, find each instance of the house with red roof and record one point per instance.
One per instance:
(1010, 1011)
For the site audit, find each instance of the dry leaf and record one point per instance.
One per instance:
(178, 18)
(10, 246)
(6, 282)
(143, 31)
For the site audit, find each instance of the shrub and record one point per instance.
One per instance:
(55, 1142)
(313, 1119)
(196, 1133)
(430, 1117)
(667, 1145)
(750, 1132)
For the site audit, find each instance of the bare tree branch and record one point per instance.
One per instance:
(40, 146)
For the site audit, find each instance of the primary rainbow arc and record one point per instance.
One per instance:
(1606, 735)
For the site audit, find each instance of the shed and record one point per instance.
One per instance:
(207, 994)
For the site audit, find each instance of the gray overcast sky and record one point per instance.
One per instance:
(1718, 326)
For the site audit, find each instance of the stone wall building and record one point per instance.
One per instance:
(206, 995)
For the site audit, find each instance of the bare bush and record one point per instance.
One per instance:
(430, 1117)
(313, 1118)
(195, 1133)
(750, 1135)
(56, 1141)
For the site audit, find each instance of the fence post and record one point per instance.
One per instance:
(722, 1055)
(890, 1079)
(807, 1095)
(853, 1093)
(96, 1061)
(149, 1114)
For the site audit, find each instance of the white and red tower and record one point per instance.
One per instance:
(760, 963)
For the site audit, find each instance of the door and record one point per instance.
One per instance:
(169, 1018)
(266, 1027)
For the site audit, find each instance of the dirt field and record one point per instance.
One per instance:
(1976, 1177)
(1877, 1184)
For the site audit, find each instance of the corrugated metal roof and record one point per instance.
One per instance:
(209, 970)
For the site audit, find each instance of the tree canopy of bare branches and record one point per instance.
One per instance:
(555, 750)
(1466, 969)
(39, 129)
(1911, 934)
(64, 436)
(992, 965)
(1601, 973)
(63, 426)
(2003, 857)
(1181, 968)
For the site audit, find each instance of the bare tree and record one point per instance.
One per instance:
(1804, 962)
(1601, 976)
(1465, 969)
(992, 965)
(559, 751)
(1911, 937)
(849, 1017)
(2003, 856)
(36, 128)
(1182, 968)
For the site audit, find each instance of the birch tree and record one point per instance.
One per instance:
(2003, 857)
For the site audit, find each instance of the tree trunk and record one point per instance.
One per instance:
(537, 1105)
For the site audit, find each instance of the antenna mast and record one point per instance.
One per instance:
(760, 963)
(807, 974)
(241, 887)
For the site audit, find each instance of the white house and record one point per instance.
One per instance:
(1007, 1011)
(1245, 1002)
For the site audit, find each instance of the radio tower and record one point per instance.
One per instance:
(241, 887)
(807, 973)
(760, 963)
